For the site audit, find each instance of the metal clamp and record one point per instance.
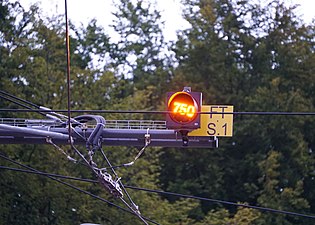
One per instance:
(49, 141)
(147, 138)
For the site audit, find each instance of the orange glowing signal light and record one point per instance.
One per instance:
(183, 107)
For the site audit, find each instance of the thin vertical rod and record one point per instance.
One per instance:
(68, 70)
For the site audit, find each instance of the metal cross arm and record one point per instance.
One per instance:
(118, 136)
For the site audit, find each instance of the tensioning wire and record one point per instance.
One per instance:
(170, 194)
(261, 113)
(55, 176)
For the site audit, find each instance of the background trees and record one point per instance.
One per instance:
(258, 58)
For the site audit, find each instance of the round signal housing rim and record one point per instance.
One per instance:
(183, 107)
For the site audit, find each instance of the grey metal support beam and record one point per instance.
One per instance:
(31, 131)
(34, 134)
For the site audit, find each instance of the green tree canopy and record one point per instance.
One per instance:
(255, 57)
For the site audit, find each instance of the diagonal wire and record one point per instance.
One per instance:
(225, 202)
(69, 105)
(93, 169)
(52, 176)
(19, 99)
(114, 172)
(48, 174)
(174, 194)
(134, 211)
(135, 207)
(166, 112)
(30, 109)
(171, 194)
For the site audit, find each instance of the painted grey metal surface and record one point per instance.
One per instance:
(119, 133)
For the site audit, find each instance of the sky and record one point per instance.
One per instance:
(82, 11)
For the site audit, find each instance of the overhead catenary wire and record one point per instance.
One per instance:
(142, 218)
(276, 113)
(41, 110)
(52, 176)
(92, 145)
(260, 208)
(69, 105)
(46, 112)
(114, 172)
(69, 109)
(257, 113)
(19, 99)
(171, 194)
(14, 100)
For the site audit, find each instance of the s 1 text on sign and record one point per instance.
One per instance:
(216, 124)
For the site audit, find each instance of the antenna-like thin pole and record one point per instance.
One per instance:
(68, 70)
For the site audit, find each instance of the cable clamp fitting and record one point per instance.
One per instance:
(49, 141)
(147, 138)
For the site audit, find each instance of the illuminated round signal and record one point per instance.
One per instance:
(183, 107)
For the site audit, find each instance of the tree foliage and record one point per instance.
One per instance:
(256, 57)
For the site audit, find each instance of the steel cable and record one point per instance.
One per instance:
(52, 176)
(171, 194)
(257, 113)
